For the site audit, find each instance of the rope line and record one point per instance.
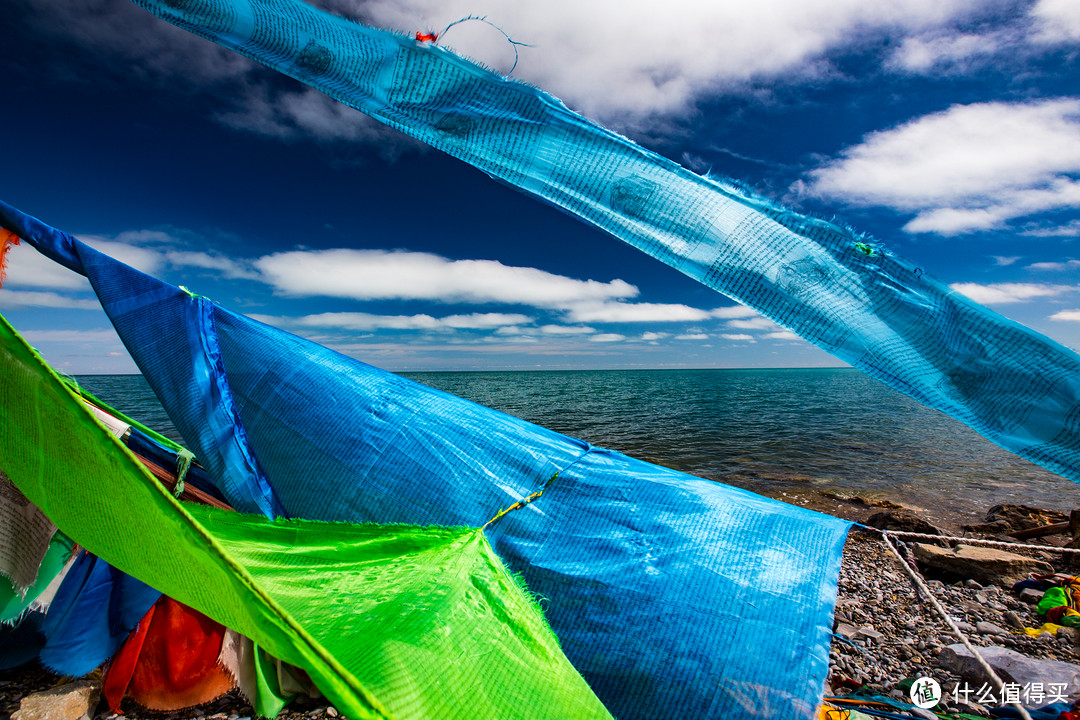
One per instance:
(969, 541)
(925, 591)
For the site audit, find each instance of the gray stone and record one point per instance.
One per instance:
(868, 632)
(65, 702)
(903, 521)
(1031, 596)
(981, 564)
(1011, 666)
(846, 631)
(989, 628)
(919, 712)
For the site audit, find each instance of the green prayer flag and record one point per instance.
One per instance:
(390, 621)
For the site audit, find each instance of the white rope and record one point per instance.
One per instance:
(916, 578)
(974, 541)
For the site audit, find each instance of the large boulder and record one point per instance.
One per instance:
(74, 701)
(984, 565)
(1011, 667)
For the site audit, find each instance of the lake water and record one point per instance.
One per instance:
(764, 430)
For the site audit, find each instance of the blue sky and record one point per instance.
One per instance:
(947, 129)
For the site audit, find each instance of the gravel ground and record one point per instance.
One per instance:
(874, 593)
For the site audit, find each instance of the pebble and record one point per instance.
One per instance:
(989, 628)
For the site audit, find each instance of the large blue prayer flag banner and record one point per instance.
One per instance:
(840, 291)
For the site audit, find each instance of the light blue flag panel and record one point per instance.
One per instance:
(838, 290)
(673, 596)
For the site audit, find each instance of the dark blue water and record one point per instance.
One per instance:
(765, 430)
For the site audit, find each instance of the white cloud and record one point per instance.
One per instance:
(692, 336)
(386, 275)
(781, 335)
(366, 322)
(735, 311)
(149, 260)
(1066, 316)
(1005, 261)
(653, 336)
(940, 52)
(29, 268)
(30, 298)
(1006, 293)
(1071, 229)
(1058, 21)
(1055, 266)
(971, 167)
(567, 330)
(225, 266)
(737, 336)
(607, 337)
(758, 323)
(619, 312)
(611, 60)
(634, 59)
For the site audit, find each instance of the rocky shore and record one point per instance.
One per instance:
(885, 634)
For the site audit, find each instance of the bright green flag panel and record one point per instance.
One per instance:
(389, 621)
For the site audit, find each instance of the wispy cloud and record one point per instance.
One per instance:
(968, 168)
(402, 275)
(1066, 316)
(567, 330)
(622, 312)
(367, 322)
(1005, 261)
(30, 298)
(1058, 21)
(1069, 230)
(1055, 266)
(1007, 293)
(758, 323)
(307, 113)
(737, 336)
(692, 336)
(782, 335)
(29, 268)
(948, 52)
(734, 311)
(225, 266)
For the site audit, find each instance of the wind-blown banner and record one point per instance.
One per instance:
(391, 622)
(838, 290)
(672, 595)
